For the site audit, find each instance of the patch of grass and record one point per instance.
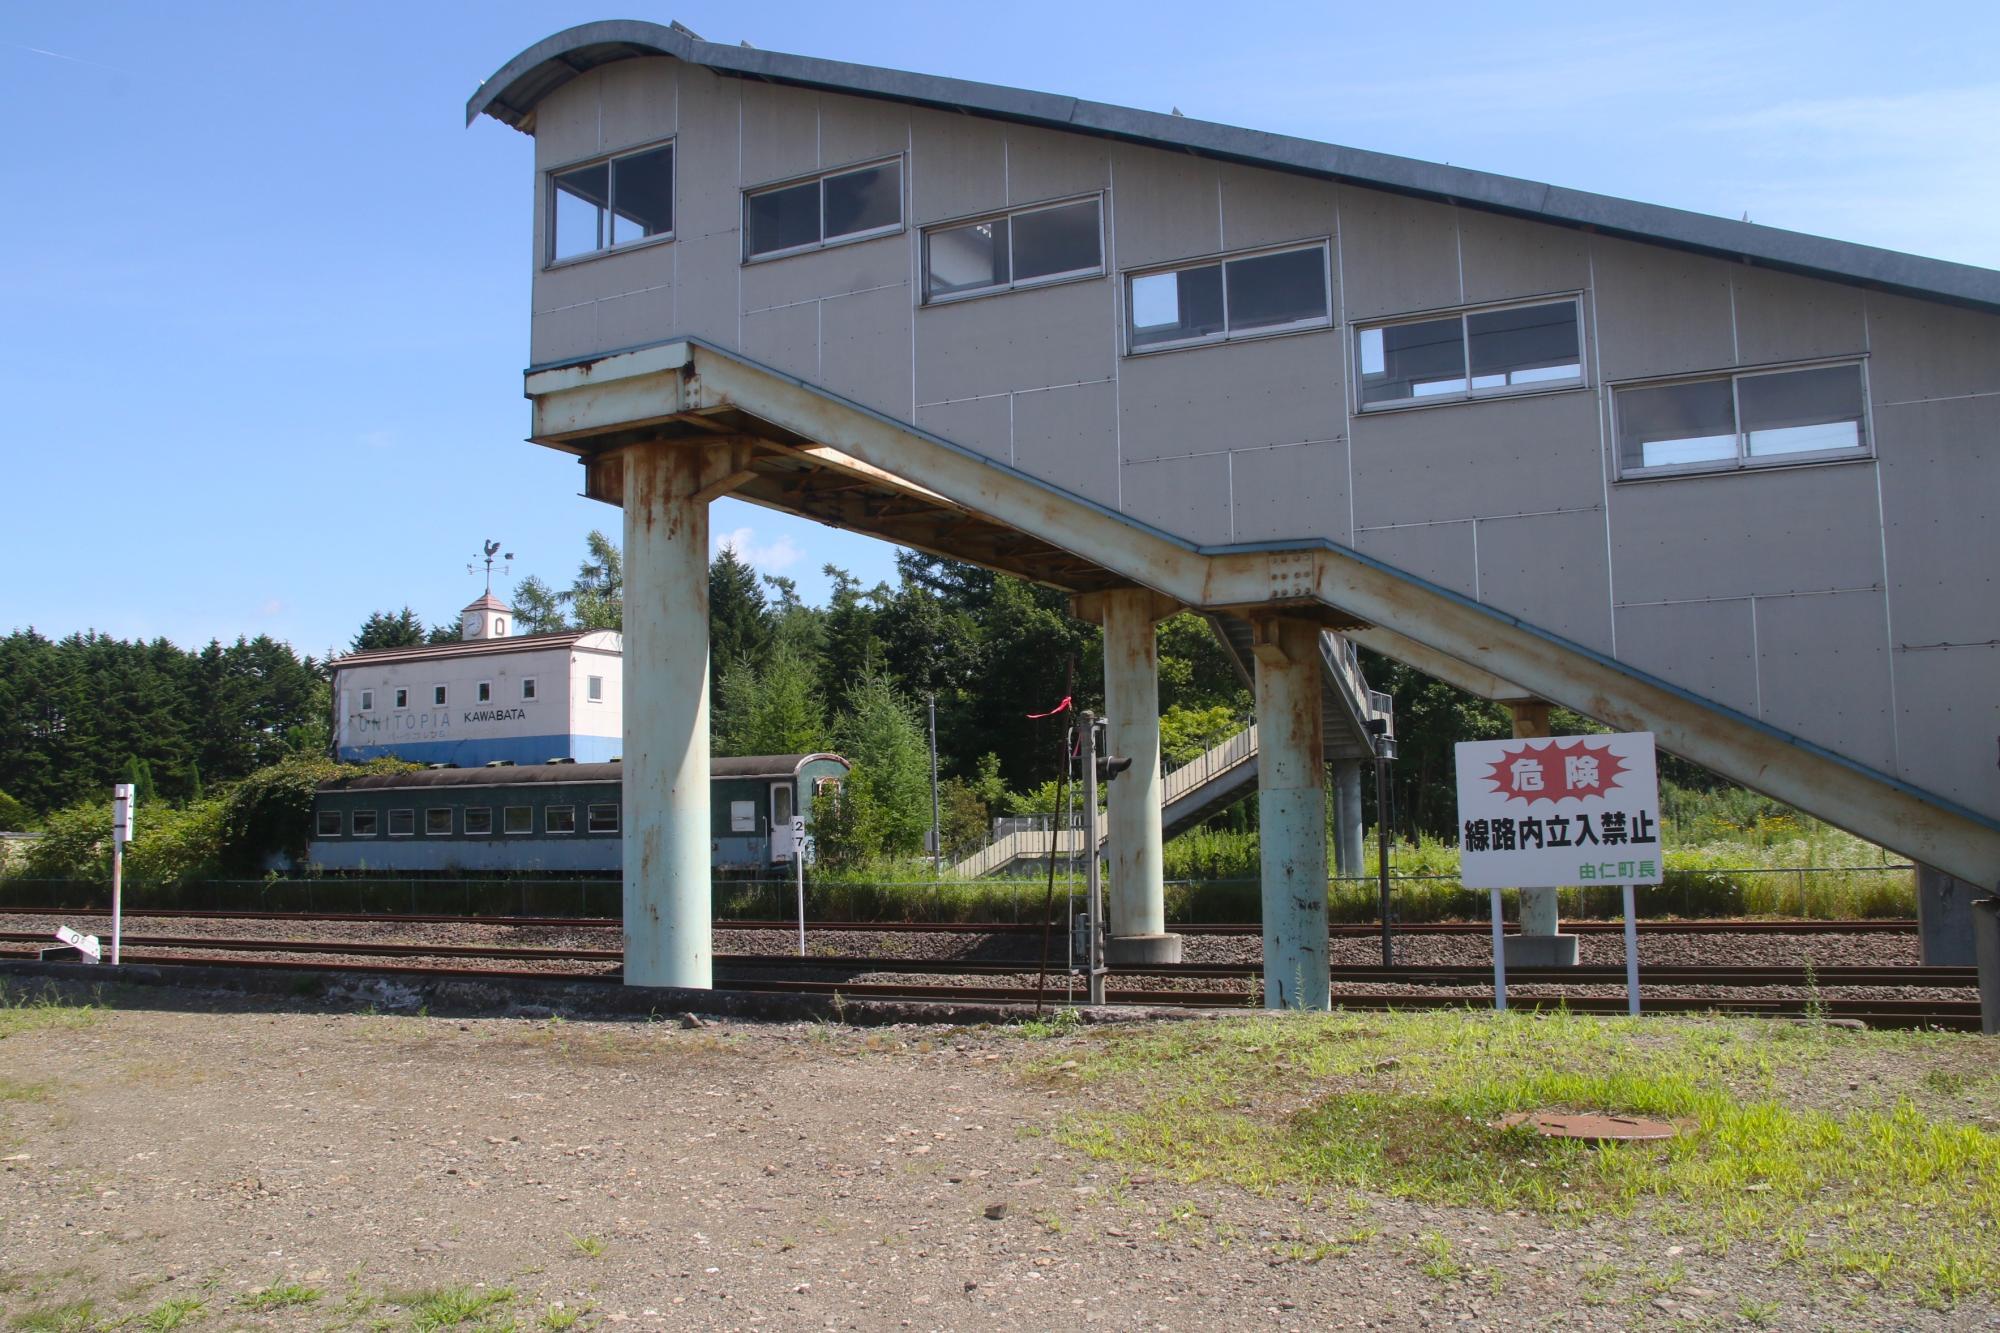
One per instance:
(22, 1011)
(279, 1296)
(13, 1090)
(172, 1314)
(1757, 1313)
(1439, 1262)
(590, 1247)
(1059, 1023)
(1406, 1105)
(68, 1317)
(448, 1307)
(559, 1317)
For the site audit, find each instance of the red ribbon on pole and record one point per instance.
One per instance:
(1062, 707)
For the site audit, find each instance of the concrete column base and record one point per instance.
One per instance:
(1986, 949)
(1541, 951)
(1945, 918)
(1142, 950)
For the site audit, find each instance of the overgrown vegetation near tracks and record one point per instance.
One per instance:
(1867, 1159)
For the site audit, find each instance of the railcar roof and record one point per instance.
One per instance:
(524, 775)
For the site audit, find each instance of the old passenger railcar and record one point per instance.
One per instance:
(552, 818)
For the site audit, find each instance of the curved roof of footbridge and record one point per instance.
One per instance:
(514, 91)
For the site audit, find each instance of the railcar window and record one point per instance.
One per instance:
(843, 205)
(479, 821)
(520, 819)
(603, 818)
(559, 819)
(329, 823)
(616, 201)
(437, 823)
(364, 823)
(402, 823)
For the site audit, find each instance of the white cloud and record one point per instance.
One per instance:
(773, 557)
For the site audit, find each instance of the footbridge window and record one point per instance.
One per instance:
(1470, 354)
(848, 205)
(1025, 248)
(1755, 419)
(612, 202)
(1273, 291)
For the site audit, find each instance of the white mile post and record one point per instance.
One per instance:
(121, 833)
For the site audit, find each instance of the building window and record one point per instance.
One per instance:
(499, 627)
(1277, 291)
(329, 824)
(840, 206)
(437, 696)
(1470, 354)
(528, 687)
(367, 701)
(1021, 249)
(479, 821)
(402, 698)
(402, 823)
(364, 823)
(603, 818)
(520, 819)
(484, 691)
(595, 687)
(1755, 419)
(612, 202)
(559, 819)
(437, 823)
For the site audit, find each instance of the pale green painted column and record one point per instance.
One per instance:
(1135, 846)
(1291, 815)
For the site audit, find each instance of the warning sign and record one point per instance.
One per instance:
(1540, 813)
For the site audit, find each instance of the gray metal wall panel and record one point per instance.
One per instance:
(1398, 255)
(1941, 503)
(1185, 495)
(854, 266)
(1783, 318)
(637, 101)
(958, 166)
(706, 185)
(1921, 350)
(780, 132)
(1017, 340)
(1660, 312)
(566, 126)
(852, 129)
(1460, 460)
(1042, 165)
(1807, 529)
(1506, 259)
(1164, 207)
(637, 317)
(1950, 716)
(1068, 436)
(705, 302)
(786, 338)
(1824, 667)
(558, 334)
(1291, 491)
(1270, 208)
(865, 348)
(1440, 552)
(1549, 569)
(1258, 391)
(982, 424)
(1703, 647)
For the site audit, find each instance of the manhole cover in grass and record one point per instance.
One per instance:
(1589, 1128)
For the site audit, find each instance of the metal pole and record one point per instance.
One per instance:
(117, 894)
(1382, 845)
(1631, 953)
(1499, 957)
(1092, 870)
(937, 828)
(799, 862)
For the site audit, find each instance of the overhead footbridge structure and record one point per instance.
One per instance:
(1732, 485)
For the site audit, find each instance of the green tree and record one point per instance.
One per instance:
(739, 621)
(538, 608)
(773, 710)
(388, 629)
(889, 789)
(14, 817)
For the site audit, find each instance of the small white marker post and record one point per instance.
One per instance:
(1499, 957)
(799, 864)
(1631, 952)
(121, 833)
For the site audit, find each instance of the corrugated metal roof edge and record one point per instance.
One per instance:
(1796, 252)
(516, 643)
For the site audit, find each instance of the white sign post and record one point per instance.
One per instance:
(1551, 811)
(84, 944)
(122, 804)
(799, 864)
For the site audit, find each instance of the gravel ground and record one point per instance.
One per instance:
(728, 1177)
(1658, 948)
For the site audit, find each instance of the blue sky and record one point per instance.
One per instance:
(264, 304)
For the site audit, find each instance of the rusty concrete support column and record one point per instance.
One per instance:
(1138, 933)
(1348, 834)
(1540, 943)
(1944, 918)
(1291, 814)
(666, 789)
